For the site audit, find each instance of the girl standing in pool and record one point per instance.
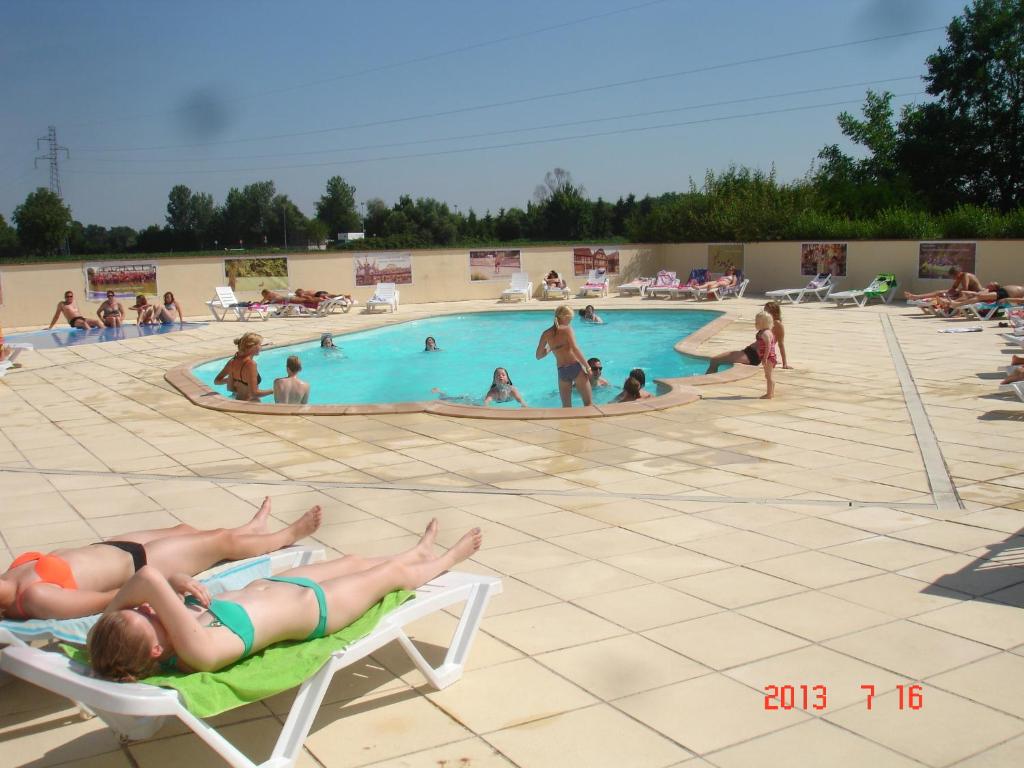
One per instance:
(240, 374)
(572, 363)
(501, 390)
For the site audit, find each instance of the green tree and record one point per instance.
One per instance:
(970, 141)
(8, 239)
(337, 207)
(202, 212)
(563, 211)
(43, 222)
(179, 210)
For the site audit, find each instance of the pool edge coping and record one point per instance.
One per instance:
(681, 391)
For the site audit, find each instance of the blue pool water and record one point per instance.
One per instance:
(388, 365)
(55, 338)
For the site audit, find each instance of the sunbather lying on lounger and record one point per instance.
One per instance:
(962, 281)
(1010, 294)
(712, 287)
(81, 581)
(148, 624)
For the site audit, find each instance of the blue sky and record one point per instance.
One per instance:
(220, 94)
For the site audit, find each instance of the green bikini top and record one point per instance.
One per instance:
(232, 616)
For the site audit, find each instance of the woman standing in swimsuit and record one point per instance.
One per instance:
(111, 312)
(240, 374)
(572, 363)
(148, 624)
(81, 581)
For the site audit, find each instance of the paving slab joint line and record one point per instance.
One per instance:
(486, 490)
(939, 480)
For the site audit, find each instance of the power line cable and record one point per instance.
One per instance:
(507, 131)
(526, 99)
(397, 64)
(507, 145)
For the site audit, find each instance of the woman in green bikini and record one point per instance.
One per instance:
(147, 624)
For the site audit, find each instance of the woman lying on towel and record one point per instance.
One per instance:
(148, 625)
(81, 581)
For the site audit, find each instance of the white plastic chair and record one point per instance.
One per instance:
(635, 287)
(597, 283)
(343, 303)
(520, 287)
(137, 711)
(665, 284)
(384, 295)
(225, 302)
(560, 291)
(820, 287)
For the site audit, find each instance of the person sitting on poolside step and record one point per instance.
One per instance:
(111, 313)
(144, 311)
(72, 314)
(147, 625)
(164, 313)
(80, 581)
(291, 389)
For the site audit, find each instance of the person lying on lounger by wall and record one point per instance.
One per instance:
(81, 581)
(147, 625)
(962, 281)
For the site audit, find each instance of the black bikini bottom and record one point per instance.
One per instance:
(136, 550)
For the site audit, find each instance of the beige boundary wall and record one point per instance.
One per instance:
(31, 291)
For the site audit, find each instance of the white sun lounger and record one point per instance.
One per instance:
(820, 287)
(1016, 387)
(560, 291)
(343, 303)
(635, 287)
(384, 295)
(137, 711)
(520, 287)
(225, 303)
(597, 283)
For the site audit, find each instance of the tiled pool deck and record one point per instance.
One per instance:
(660, 568)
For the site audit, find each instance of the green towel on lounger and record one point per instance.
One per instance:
(275, 669)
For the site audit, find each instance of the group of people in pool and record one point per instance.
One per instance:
(156, 615)
(111, 312)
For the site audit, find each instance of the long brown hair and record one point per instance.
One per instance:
(773, 309)
(116, 652)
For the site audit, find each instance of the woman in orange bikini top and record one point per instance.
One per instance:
(81, 581)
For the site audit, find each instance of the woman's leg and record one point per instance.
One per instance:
(196, 552)
(349, 596)
(583, 387)
(739, 356)
(565, 392)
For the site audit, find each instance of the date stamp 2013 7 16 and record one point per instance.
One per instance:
(815, 697)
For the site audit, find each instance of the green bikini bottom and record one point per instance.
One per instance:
(321, 600)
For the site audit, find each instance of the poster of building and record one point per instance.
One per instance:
(126, 279)
(253, 275)
(493, 265)
(935, 259)
(823, 258)
(586, 259)
(721, 256)
(373, 268)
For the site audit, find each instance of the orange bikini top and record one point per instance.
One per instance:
(49, 568)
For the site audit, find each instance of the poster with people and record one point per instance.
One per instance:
(586, 259)
(493, 265)
(822, 259)
(721, 256)
(252, 275)
(934, 260)
(126, 279)
(373, 268)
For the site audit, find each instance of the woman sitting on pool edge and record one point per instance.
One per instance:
(164, 314)
(147, 624)
(240, 374)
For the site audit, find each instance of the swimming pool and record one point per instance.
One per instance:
(55, 338)
(388, 365)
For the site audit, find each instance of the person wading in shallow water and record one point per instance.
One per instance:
(573, 367)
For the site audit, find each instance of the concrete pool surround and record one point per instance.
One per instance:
(680, 391)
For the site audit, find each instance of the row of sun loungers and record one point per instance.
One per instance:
(667, 285)
(520, 287)
(225, 305)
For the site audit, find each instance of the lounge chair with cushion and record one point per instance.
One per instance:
(882, 287)
(665, 284)
(224, 303)
(688, 290)
(597, 283)
(384, 295)
(734, 291)
(635, 287)
(138, 710)
(819, 288)
(520, 287)
(335, 304)
(559, 291)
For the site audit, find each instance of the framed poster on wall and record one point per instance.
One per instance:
(493, 265)
(373, 268)
(823, 258)
(586, 259)
(254, 274)
(934, 260)
(126, 279)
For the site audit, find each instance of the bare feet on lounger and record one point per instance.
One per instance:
(258, 524)
(466, 546)
(308, 523)
(424, 550)
(1014, 375)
